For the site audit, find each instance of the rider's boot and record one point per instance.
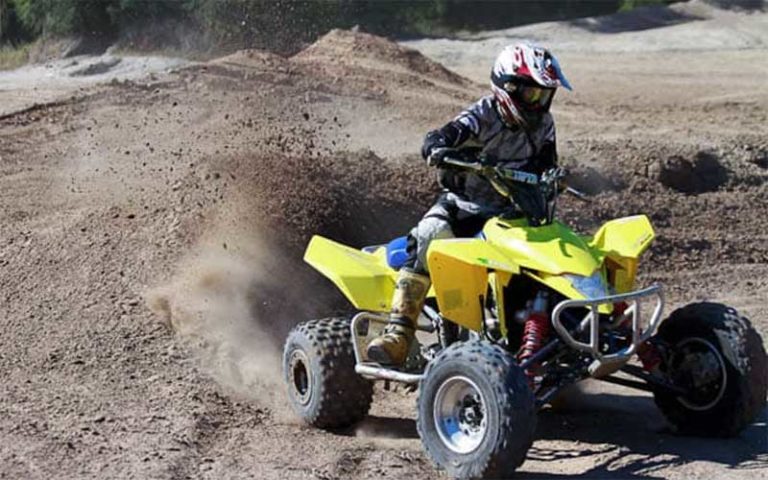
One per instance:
(391, 348)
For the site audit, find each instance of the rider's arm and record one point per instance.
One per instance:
(546, 155)
(546, 158)
(458, 131)
(452, 135)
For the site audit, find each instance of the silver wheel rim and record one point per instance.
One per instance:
(701, 354)
(300, 376)
(459, 413)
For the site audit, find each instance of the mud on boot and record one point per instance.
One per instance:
(392, 347)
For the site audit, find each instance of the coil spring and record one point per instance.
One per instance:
(535, 332)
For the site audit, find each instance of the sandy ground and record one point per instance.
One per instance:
(152, 230)
(58, 80)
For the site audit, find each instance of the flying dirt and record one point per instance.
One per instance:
(153, 230)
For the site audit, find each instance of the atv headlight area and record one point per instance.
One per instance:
(591, 287)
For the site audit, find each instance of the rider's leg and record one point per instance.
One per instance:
(410, 290)
(392, 347)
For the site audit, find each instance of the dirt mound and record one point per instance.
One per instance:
(703, 173)
(374, 53)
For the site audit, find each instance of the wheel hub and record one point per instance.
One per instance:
(459, 414)
(699, 367)
(300, 376)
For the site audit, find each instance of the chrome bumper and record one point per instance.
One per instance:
(591, 322)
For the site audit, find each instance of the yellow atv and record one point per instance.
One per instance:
(514, 315)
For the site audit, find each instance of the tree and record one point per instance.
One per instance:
(63, 17)
(3, 14)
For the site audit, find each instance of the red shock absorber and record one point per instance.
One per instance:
(535, 332)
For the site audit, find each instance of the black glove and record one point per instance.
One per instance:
(433, 140)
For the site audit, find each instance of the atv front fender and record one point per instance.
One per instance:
(622, 241)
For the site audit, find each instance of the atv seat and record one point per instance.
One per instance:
(396, 251)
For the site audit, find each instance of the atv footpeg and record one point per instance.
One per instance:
(365, 327)
(602, 368)
(374, 371)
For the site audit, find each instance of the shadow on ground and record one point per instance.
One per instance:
(629, 438)
(624, 436)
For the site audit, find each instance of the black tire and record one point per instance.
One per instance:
(319, 371)
(735, 393)
(508, 410)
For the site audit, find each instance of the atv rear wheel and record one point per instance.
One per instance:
(716, 355)
(476, 412)
(319, 371)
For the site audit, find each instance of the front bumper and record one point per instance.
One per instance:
(592, 325)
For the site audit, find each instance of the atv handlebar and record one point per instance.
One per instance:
(495, 173)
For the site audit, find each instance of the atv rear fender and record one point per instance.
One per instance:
(364, 278)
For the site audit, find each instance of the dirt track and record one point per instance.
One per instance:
(185, 200)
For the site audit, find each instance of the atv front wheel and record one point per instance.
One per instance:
(319, 371)
(476, 412)
(718, 357)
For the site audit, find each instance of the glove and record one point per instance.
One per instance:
(433, 140)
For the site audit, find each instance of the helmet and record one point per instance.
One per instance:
(524, 79)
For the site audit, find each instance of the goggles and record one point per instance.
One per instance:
(530, 96)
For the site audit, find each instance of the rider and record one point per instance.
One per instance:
(512, 127)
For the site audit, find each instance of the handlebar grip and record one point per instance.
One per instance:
(437, 155)
(461, 163)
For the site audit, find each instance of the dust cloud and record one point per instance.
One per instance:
(212, 302)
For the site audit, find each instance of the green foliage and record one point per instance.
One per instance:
(13, 56)
(91, 17)
(60, 17)
(129, 12)
(281, 24)
(627, 5)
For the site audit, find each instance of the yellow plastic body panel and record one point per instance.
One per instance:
(459, 271)
(462, 270)
(364, 278)
(625, 237)
(552, 249)
(497, 281)
(620, 243)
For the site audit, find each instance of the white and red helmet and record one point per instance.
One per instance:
(524, 79)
